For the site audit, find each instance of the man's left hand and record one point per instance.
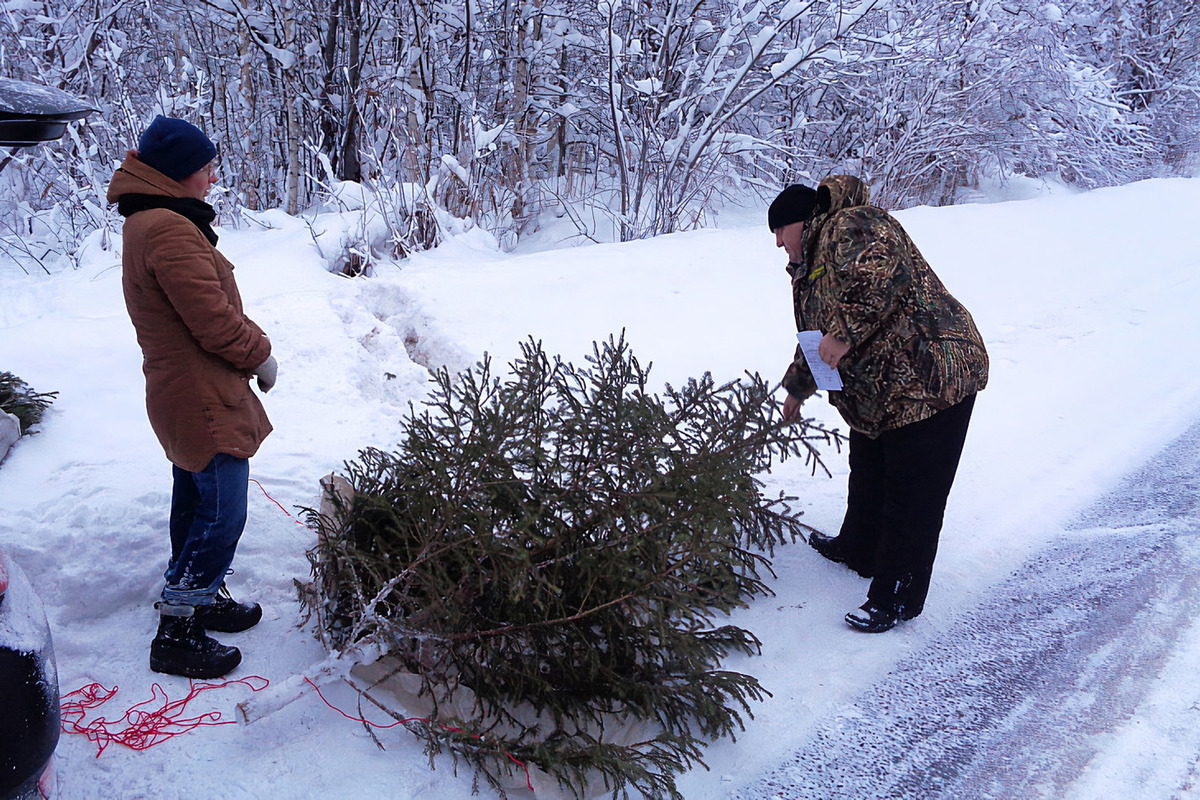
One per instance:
(791, 409)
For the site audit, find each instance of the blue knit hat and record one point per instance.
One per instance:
(175, 148)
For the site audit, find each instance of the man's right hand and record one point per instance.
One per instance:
(791, 409)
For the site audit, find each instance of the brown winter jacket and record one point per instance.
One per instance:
(199, 348)
(914, 349)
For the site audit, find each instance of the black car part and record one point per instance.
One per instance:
(31, 113)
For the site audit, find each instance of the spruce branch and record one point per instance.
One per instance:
(20, 400)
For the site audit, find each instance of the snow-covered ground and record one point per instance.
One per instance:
(1088, 303)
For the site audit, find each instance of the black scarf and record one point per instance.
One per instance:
(199, 212)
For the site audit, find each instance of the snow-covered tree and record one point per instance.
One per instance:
(633, 115)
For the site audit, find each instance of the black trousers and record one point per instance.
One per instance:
(899, 482)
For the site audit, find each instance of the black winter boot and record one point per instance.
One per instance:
(875, 618)
(827, 546)
(227, 615)
(181, 648)
(831, 548)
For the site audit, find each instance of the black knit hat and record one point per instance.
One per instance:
(175, 148)
(796, 203)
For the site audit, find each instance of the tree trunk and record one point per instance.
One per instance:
(351, 165)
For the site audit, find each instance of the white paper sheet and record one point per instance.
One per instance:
(826, 377)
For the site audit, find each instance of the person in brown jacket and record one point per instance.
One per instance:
(911, 362)
(199, 352)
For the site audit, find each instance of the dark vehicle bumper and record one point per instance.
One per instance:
(29, 708)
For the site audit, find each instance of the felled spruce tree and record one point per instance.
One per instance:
(560, 544)
(18, 399)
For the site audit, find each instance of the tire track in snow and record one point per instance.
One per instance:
(1018, 697)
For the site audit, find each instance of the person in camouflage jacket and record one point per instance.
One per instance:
(911, 362)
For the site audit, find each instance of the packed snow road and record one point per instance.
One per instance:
(1074, 678)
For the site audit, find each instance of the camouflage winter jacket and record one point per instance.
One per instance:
(914, 349)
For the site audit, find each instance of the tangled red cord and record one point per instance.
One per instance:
(276, 502)
(511, 757)
(148, 723)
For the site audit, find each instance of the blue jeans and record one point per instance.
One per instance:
(208, 514)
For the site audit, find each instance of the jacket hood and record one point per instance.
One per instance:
(839, 192)
(135, 177)
(835, 193)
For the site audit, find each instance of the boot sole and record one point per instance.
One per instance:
(865, 626)
(228, 626)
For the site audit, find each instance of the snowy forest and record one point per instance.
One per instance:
(632, 118)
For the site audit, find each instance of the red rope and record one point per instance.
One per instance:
(511, 757)
(276, 502)
(148, 723)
